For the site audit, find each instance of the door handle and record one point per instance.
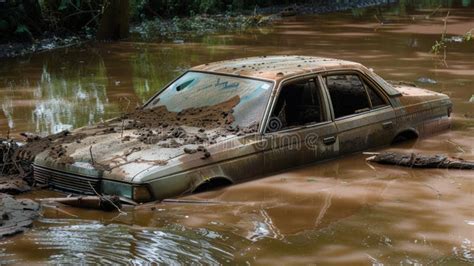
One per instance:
(387, 125)
(329, 140)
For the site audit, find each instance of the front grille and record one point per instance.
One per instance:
(65, 181)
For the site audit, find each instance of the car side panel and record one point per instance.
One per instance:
(234, 162)
(300, 146)
(424, 116)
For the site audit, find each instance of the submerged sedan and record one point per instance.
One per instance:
(231, 121)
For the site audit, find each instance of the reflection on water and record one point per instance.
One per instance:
(152, 70)
(85, 242)
(61, 104)
(60, 98)
(339, 212)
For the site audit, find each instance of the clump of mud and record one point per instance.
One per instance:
(207, 117)
(159, 125)
(16, 159)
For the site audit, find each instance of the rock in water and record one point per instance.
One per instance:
(16, 215)
(426, 80)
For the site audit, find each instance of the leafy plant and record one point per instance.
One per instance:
(468, 35)
(438, 47)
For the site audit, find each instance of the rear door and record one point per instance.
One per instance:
(362, 113)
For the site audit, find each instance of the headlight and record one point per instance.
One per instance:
(138, 193)
(141, 194)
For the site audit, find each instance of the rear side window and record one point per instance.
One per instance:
(348, 94)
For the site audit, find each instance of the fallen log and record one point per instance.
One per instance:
(421, 161)
(105, 203)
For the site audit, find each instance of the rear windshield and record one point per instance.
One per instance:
(248, 97)
(391, 91)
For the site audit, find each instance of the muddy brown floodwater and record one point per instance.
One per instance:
(344, 211)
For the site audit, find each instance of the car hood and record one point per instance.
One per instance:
(124, 156)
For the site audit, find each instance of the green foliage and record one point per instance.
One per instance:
(468, 35)
(18, 20)
(438, 47)
(206, 6)
(441, 45)
(63, 5)
(22, 29)
(172, 8)
(3, 25)
(75, 15)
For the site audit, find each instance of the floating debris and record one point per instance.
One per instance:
(426, 80)
(457, 39)
(105, 203)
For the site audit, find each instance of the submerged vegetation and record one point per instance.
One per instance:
(440, 46)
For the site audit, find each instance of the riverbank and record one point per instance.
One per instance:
(177, 29)
(14, 49)
(312, 7)
(180, 28)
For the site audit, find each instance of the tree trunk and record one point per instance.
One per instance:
(114, 21)
(34, 18)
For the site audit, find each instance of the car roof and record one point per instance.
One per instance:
(276, 67)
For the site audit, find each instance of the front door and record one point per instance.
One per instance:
(300, 129)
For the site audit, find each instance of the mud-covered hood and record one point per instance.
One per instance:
(124, 156)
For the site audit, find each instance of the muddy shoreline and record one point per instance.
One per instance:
(43, 44)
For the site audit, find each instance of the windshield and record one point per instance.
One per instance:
(245, 98)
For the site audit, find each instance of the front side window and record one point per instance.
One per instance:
(299, 103)
(246, 98)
